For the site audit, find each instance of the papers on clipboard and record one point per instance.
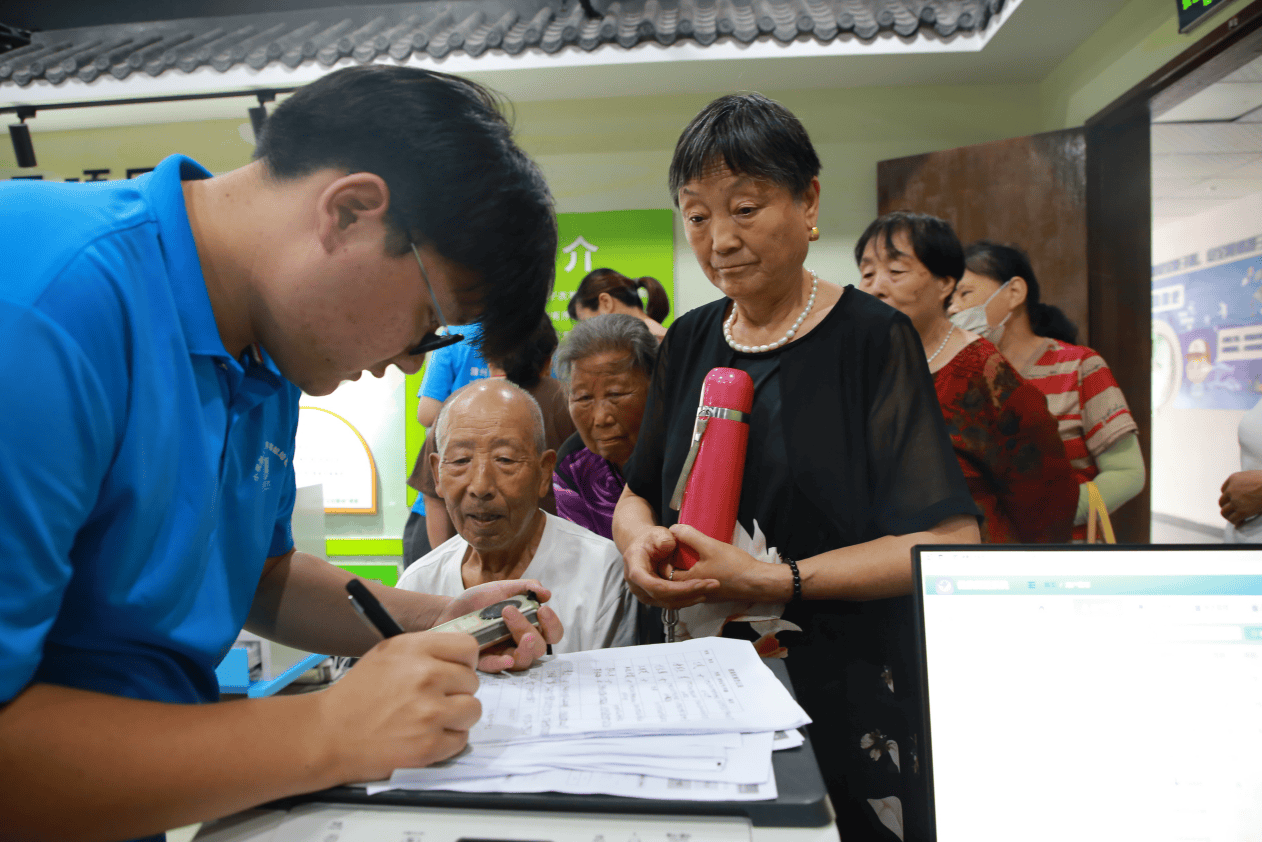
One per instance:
(696, 720)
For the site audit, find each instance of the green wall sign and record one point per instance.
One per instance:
(1194, 12)
(633, 242)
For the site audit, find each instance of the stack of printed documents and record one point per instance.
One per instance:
(696, 721)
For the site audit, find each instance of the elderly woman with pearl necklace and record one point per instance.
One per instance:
(848, 467)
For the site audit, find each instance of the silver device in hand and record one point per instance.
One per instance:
(487, 624)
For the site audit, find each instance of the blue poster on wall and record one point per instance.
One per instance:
(1207, 329)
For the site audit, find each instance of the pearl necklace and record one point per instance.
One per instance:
(759, 349)
(943, 345)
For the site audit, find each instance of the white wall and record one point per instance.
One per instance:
(375, 407)
(1193, 449)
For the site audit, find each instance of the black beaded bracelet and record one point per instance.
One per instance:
(797, 577)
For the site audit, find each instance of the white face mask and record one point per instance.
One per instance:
(974, 319)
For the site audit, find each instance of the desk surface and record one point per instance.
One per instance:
(341, 823)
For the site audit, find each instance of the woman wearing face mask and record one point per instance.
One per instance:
(1004, 437)
(998, 296)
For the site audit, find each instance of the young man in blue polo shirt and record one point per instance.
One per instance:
(156, 335)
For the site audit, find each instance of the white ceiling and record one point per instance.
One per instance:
(1035, 37)
(1207, 150)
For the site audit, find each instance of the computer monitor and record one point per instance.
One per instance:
(1092, 692)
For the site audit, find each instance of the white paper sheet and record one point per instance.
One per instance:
(699, 686)
(695, 720)
(747, 763)
(787, 739)
(599, 783)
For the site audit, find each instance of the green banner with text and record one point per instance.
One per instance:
(633, 242)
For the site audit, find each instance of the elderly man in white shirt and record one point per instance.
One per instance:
(491, 470)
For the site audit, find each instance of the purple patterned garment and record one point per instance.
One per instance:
(587, 488)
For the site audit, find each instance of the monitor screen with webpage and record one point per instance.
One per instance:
(1081, 692)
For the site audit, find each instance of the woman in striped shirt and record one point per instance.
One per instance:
(998, 297)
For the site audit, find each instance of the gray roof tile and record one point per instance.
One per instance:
(397, 31)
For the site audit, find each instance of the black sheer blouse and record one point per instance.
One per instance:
(847, 444)
(846, 440)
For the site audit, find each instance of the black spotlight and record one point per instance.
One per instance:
(258, 115)
(20, 134)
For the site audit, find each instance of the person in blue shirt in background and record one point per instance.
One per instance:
(157, 333)
(447, 370)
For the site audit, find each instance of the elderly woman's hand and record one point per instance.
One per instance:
(651, 552)
(740, 576)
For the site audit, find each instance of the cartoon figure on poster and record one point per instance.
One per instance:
(1207, 335)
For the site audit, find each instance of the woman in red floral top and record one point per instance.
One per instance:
(998, 296)
(1005, 439)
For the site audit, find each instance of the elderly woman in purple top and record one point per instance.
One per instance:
(608, 361)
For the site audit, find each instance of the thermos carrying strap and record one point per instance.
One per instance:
(704, 414)
(723, 412)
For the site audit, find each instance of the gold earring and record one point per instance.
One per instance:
(814, 234)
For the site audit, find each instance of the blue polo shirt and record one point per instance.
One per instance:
(145, 474)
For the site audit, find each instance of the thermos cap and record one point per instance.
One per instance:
(729, 388)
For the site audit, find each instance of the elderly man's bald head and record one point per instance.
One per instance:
(494, 396)
(492, 468)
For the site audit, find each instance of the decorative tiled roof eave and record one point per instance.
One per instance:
(404, 31)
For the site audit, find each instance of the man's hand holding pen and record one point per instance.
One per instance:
(409, 701)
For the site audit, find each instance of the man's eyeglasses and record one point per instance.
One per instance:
(433, 341)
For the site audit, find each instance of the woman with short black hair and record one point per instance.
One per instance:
(848, 466)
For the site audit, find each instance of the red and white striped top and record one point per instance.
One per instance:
(1085, 399)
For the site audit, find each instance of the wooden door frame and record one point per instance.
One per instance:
(1119, 240)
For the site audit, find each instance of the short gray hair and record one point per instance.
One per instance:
(612, 332)
(537, 433)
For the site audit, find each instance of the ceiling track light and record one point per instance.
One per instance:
(20, 134)
(258, 115)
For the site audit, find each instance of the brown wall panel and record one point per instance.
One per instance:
(1030, 191)
(1120, 258)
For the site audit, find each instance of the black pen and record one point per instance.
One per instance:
(372, 611)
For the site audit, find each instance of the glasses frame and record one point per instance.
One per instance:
(433, 341)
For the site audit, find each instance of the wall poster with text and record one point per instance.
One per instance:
(1207, 328)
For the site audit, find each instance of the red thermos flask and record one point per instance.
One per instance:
(709, 489)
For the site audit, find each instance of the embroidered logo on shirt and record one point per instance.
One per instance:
(263, 467)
